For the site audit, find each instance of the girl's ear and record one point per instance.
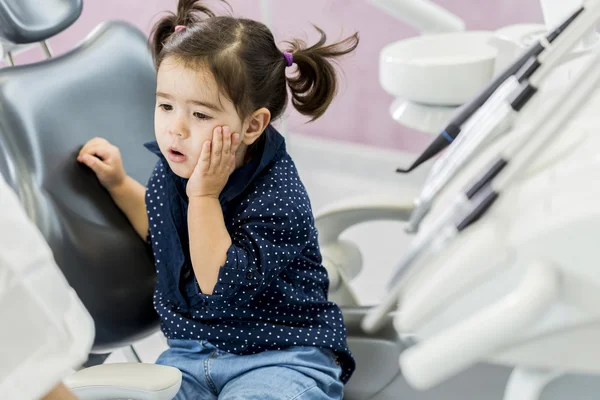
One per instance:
(257, 123)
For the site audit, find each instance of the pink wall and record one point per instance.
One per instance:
(360, 113)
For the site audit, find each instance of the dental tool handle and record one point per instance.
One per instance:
(447, 284)
(519, 100)
(441, 230)
(378, 316)
(568, 40)
(442, 141)
(482, 195)
(488, 198)
(476, 124)
(462, 345)
(409, 259)
(545, 129)
(421, 209)
(522, 63)
(522, 97)
(492, 126)
(560, 29)
(454, 128)
(487, 177)
(548, 125)
(497, 122)
(523, 67)
(528, 69)
(487, 121)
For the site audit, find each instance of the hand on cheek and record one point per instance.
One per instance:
(216, 163)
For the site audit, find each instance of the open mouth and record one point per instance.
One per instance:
(176, 156)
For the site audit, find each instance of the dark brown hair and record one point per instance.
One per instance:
(247, 65)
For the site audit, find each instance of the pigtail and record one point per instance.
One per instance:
(189, 12)
(314, 85)
(161, 32)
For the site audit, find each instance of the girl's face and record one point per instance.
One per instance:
(189, 107)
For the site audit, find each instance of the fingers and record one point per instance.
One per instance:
(95, 142)
(99, 150)
(217, 149)
(226, 141)
(205, 157)
(235, 143)
(218, 155)
(94, 163)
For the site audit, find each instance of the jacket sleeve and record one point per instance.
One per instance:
(265, 240)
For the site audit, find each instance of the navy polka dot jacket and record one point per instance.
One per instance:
(272, 291)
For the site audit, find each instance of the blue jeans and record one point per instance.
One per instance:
(294, 373)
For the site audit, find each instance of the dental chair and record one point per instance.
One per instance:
(104, 87)
(23, 23)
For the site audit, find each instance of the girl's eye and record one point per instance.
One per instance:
(166, 107)
(199, 115)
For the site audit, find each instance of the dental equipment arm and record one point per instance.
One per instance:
(453, 129)
(342, 258)
(424, 15)
(465, 343)
(496, 115)
(480, 196)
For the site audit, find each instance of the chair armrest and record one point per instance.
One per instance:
(134, 381)
(342, 258)
(336, 218)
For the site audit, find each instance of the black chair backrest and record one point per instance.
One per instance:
(105, 87)
(30, 21)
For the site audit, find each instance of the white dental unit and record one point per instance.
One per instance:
(520, 286)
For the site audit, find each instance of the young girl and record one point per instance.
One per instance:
(241, 292)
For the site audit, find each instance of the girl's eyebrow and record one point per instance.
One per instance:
(198, 102)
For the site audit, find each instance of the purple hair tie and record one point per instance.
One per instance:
(289, 58)
(179, 28)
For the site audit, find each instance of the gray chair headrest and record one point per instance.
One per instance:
(30, 21)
